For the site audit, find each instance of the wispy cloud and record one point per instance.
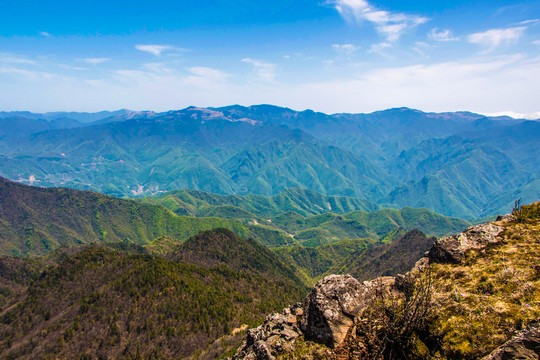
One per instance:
(206, 78)
(19, 73)
(420, 48)
(536, 42)
(44, 33)
(390, 24)
(95, 61)
(468, 85)
(474, 86)
(265, 71)
(529, 22)
(157, 50)
(7, 58)
(381, 48)
(493, 38)
(442, 35)
(345, 51)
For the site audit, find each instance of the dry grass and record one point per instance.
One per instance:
(482, 302)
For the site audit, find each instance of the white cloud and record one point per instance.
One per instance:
(391, 24)
(345, 50)
(28, 75)
(442, 35)
(207, 72)
(493, 38)
(381, 48)
(515, 115)
(529, 22)
(206, 78)
(448, 86)
(15, 59)
(157, 50)
(95, 61)
(265, 71)
(492, 85)
(536, 42)
(420, 48)
(44, 33)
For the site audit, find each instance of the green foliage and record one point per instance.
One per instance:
(386, 259)
(313, 262)
(178, 151)
(36, 221)
(119, 304)
(222, 247)
(384, 225)
(302, 201)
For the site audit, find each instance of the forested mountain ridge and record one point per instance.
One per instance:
(179, 307)
(36, 221)
(458, 164)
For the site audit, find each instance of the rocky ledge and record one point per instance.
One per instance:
(277, 333)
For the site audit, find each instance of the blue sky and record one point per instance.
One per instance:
(328, 55)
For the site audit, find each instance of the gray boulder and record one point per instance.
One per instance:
(276, 334)
(452, 249)
(331, 307)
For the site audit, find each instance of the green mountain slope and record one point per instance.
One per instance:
(162, 308)
(312, 262)
(309, 217)
(364, 259)
(223, 248)
(302, 201)
(471, 174)
(386, 260)
(37, 220)
(377, 225)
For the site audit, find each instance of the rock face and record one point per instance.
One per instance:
(334, 303)
(452, 249)
(330, 308)
(526, 346)
(278, 331)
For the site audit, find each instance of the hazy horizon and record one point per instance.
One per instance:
(334, 56)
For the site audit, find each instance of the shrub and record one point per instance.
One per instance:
(397, 319)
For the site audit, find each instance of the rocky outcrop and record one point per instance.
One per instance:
(277, 333)
(334, 307)
(452, 249)
(525, 345)
(333, 304)
(326, 317)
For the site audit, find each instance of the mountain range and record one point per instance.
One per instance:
(457, 164)
(36, 221)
